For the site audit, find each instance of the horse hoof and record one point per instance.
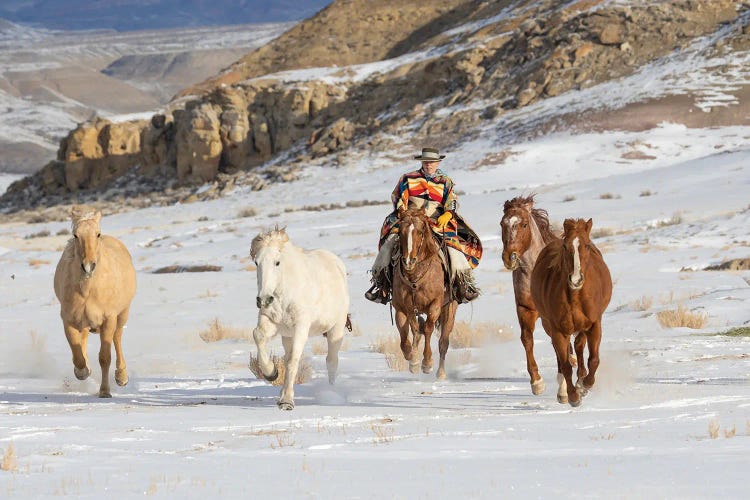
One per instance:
(285, 405)
(582, 389)
(537, 387)
(441, 374)
(121, 377)
(562, 399)
(272, 377)
(105, 394)
(576, 404)
(427, 369)
(414, 367)
(82, 374)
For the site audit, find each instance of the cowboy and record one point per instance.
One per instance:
(431, 189)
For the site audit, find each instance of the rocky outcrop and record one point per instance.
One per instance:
(511, 59)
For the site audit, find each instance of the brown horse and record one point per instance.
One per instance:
(571, 287)
(525, 232)
(419, 288)
(95, 283)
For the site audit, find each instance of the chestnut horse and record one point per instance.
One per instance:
(419, 288)
(571, 287)
(525, 232)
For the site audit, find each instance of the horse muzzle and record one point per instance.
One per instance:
(575, 285)
(512, 263)
(88, 268)
(409, 263)
(262, 302)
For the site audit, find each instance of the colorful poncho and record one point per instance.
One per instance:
(435, 194)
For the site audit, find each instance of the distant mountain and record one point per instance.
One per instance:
(129, 15)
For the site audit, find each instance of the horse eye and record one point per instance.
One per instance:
(525, 224)
(98, 235)
(277, 262)
(75, 236)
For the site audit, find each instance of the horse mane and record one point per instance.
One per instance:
(276, 236)
(540, 215)
(418, 213)
(82, 213)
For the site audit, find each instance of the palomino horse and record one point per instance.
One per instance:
(300, 293)
(95, 283)
(419, 288)
(525, 232)
(571, 287)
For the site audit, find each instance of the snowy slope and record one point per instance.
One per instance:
(194, 420)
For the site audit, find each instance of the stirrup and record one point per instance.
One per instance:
(465, 291)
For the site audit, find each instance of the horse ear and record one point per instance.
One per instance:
(98, 216)
(506, 206)
(589, 223)
(568, 225)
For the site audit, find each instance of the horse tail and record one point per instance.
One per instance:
(349, 322)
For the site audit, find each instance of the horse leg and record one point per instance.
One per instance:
(594, 336)
(402, 324)
(527, 319)
(301, 331)
(580, 343)
(335, 337)
(562, 345)
(416, 323)
(429, 326)
(105, 354)
(264, 331)
(121, 370)
(447, 319)
(77, 340)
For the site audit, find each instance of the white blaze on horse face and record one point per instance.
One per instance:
(512, 223)
(410, 240)
(575, 278)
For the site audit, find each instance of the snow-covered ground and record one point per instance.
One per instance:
(194, 421)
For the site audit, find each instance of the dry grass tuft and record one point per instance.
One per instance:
(36, 263)
(740, 331)
(602, 232)
(609, 196)
(390, 347)
(713, 429)
(569, 198)
(247, 212)
(40, 234)
(9, 462)
(682, 317)
(304, 372)
(642, 304)
(383, 433)
(218, 331)
(478, 334)
(730, 433)
(645, 193)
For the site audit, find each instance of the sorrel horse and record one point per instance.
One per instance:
(571, 287)
(525, 232)
(95, 283)
(419, 288)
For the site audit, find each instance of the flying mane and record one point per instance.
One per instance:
(539, 214)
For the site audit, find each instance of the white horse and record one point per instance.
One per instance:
(300, 293)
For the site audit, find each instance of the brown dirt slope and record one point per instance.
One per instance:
(344, 33)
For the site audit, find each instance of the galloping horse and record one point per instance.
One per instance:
(300, 293)
(525, 232)
(419, 288)
(95, 283)
(571, 287)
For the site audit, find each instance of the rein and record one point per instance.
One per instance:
(413, 283)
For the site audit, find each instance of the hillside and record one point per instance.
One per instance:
(523, 67)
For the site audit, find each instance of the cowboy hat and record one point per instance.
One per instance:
(429, 154)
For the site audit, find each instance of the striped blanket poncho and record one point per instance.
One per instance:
(436, 196)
